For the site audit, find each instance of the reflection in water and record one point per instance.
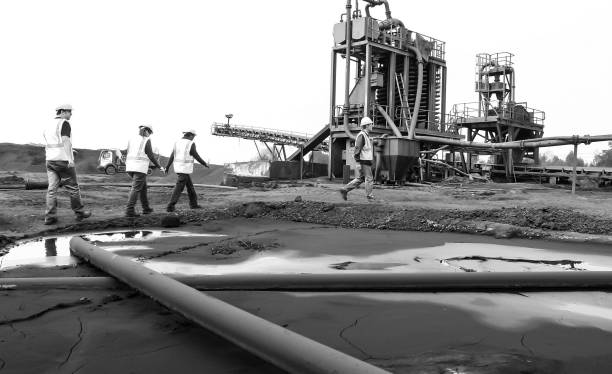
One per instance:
(50, 248)
(55, 251)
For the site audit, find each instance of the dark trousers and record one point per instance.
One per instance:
(139, 188)
(184, 180)
(58, 171)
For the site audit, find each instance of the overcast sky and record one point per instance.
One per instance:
(181, 64)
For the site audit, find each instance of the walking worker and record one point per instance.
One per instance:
(139, 153)
(183, 157)
(60, 165)
(364, 156)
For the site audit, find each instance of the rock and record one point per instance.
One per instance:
(327, 207)
(171, 220)
(298, 199)
(504, 231)
(253, 210)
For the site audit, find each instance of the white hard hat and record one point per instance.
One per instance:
(64, 107)
(366, 121)
(149, 127)
(192, 131)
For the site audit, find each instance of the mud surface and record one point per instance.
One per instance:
(99, 330)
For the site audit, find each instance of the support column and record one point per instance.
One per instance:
(407, 90)
(332, 108)
(443, 100)
(368, 77)
(391, 85)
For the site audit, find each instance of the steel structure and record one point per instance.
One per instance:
(278, 139)
(497, 117)
(393, 75)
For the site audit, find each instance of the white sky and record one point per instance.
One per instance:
(186, 63)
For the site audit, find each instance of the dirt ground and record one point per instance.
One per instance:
(498, 209)
(54, 328)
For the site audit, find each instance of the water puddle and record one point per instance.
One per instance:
(55, 251)
(450, 257)
(186, 253)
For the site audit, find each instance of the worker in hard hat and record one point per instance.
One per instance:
(364, 156)
(183, 156)
(60, 165)
(139, 153)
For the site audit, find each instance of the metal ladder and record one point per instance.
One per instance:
(399, 82)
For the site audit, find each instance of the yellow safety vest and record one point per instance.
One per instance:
(136, 159)
(366, 153)
(183, 161)
(54, 147)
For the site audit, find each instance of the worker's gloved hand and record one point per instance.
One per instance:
(163, 170)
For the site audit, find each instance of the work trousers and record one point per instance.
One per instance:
(184, 180)
(139, 188)
(365, 175)
(56, 171)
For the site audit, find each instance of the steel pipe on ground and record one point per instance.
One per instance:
(41, 185)
(357, 282)
(277, 345)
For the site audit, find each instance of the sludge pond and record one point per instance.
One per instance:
(454, 332)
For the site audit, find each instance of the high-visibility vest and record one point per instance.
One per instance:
(366, 153)
(183, 160)
(54, 145)
(136, 159)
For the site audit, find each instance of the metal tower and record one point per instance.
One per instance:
(497, 117)
(393, 75)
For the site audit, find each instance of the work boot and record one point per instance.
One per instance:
(147, 210)
(50, 220)
(131, 214)
(196, 207)
(344, 194)
(170, 208)
(370, 197)
(82, 215)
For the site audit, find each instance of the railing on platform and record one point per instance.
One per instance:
(519, 112)
(401, 120)
(398, 37)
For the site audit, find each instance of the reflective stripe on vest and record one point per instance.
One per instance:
(136, 159)
(366, 153)
(54, 145)
(183, 161)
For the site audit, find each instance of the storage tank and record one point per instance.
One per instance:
(399, 157)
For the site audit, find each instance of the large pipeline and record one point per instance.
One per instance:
(528, 143)
(390, 121)
(417, 101)
(389, 21)
(41, 185)
(285, 349)
(352, 282)
(516, 144)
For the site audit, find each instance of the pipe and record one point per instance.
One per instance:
(354, 282)
(417, 101)
(389, 21)
(41, 185)
(389, 121)
(347, 75)
(287, 350)
(530, 143)
(471, 177)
